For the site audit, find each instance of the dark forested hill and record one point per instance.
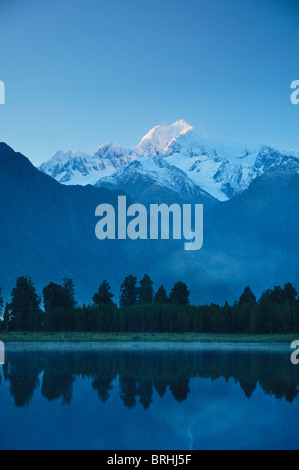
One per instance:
(253, 238)
(47, 231)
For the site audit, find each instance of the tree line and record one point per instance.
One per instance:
(141, 309)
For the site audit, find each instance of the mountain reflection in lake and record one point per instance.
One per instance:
(157, 397)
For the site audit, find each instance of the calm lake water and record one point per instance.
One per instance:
(148, 396)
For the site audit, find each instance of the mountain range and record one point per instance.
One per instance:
(250, 195)
(47, 231)
(175, 158)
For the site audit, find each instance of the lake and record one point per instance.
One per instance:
(166, 396)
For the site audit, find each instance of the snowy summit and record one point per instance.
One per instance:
(172, 156)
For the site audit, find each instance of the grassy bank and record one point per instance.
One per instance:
(145, 337)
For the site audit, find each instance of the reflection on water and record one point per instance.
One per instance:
(147, 379)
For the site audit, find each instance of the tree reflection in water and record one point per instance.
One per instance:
(140, 373)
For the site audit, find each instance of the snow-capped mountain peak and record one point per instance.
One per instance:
(158, 139)
(81, 168)
(167, 155)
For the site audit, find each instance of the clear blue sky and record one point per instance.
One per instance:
(80, 73)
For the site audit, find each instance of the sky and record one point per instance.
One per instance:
(81, 73)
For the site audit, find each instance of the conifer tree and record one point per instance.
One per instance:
(103, 296)
(69, 287)
(289, 293)
(146, 291)
(161, 296)
(247, 296)
(180, 294)
(54, 297)
(128, 292)
(25, 312)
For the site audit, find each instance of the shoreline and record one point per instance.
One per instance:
(74, 337)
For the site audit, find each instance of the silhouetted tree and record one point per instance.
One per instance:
(69, 287)
(55, 296)
(145, 291)
(277, 310)
(25, 312)
(161, 296)
(180, 294)
(128, 292)
(103, 296)
(277, 295)
(247, 296)
(289, 293)
(59, 303)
